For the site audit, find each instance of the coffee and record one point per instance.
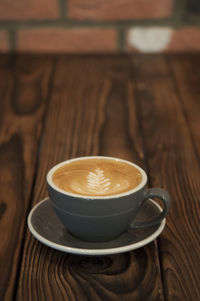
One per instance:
(97, 177)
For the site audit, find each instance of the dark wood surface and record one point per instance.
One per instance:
(142, 108)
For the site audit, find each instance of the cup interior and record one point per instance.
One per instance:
(59, 165)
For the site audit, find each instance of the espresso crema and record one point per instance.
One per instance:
(97, 177)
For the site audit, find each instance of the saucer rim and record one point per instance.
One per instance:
(105, 251)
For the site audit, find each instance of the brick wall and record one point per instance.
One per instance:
(99, 25)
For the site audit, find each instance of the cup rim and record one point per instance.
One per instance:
(55, 167)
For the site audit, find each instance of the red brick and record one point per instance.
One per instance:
(185, 39)
(119, 9)
(67, 40)
(31, 9)
(4, 43)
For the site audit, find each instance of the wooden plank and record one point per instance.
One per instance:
(186, 73)
(173, 164)
(24, 86)
(91, 112)
(149, 66)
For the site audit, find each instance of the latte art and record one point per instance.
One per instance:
(97, 177)
(99, 184)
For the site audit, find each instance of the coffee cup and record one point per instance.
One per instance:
(97, 198)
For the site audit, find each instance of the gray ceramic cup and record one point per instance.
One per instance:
(102, 218)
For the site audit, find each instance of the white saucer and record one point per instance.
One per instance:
(46, 227)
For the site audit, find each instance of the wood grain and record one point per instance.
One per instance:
(186, 79)
(23, 92)
(173, 164)
(91, 112)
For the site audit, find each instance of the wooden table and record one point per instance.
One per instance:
(142, 108)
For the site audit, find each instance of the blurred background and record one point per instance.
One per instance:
(93, 26)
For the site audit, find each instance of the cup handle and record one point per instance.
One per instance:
(165, 197)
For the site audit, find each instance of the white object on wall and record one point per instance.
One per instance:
(150, 39)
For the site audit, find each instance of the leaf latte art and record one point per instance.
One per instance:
(98, 183)
(97, 177)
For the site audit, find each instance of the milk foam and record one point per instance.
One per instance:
(97, 177)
